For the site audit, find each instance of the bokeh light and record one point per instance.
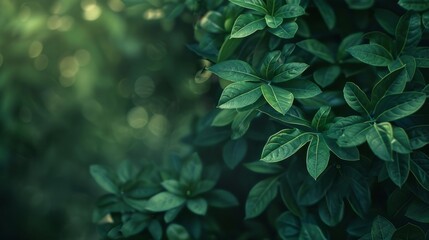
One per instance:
(91, 10)
(153, 14)
(35, 49)
(41, 62)
(83, 57)
(69, 66)
(138, 117)
(159, 125)
(144, 87)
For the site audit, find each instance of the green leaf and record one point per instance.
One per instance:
(257, 5)
(354, 135)
(228, 48)
(419, 136)
(171, 214)
(331, 210)
(136, 224)
(349, 41)
(392, 83)
(310, 231)
(360, 4)
(408, 31)
(142, 190)
(321, 118)
(241, 123)
(421, 54)
(247, 24)
(420, 168)
(115, 232)
(379, 139)
(317, 156)
(288, 49)
(283, 145)
(234, 152)
(409, 232)
(398, 201)
(212, 22)
(401, 143)
(235, 71)
(191, 170)
(224, 117)
(303, 28)
(425, 19)
(293, 117)
(399, 169)
(110, 203)
(289, 71)
(387, 20)
(260, 196)
(155, 230)
(264, 168)
(325, 76)
(273, 5)
(373, 55)
(270, 64)
(177, 232)
(360, 195)
(239, 95)
(301, 88)
(359, 227)
(356, 98)
(410, 65)
(286, 31)
(126, 171)
(281, 100)
(288, 226)
(337, 129)
(317, 48)
(211, 136)
(426, 88)
(290, 11)
(382, 39)
(197, 206)
(417, 5)
(406, 61)
(397, 106)
(382, 229)
(173, 186)
(221, 199)
(418, 211)
(164, 201)
(311, 191)
(202, 187)
(289, 198)
(104, 178)
(273, 22)
(327, 13)
(349, 153)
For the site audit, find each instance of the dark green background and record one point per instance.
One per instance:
(84, 82)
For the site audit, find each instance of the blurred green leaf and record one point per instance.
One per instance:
(104, 178)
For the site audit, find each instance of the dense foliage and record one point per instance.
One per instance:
(320, 130)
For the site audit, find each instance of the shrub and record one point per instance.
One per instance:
(320, 130)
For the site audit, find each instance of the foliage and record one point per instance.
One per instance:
(329, 116)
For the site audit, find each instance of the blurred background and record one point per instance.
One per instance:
(84, 82)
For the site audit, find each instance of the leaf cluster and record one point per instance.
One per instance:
(330, 116)
(157, 202)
